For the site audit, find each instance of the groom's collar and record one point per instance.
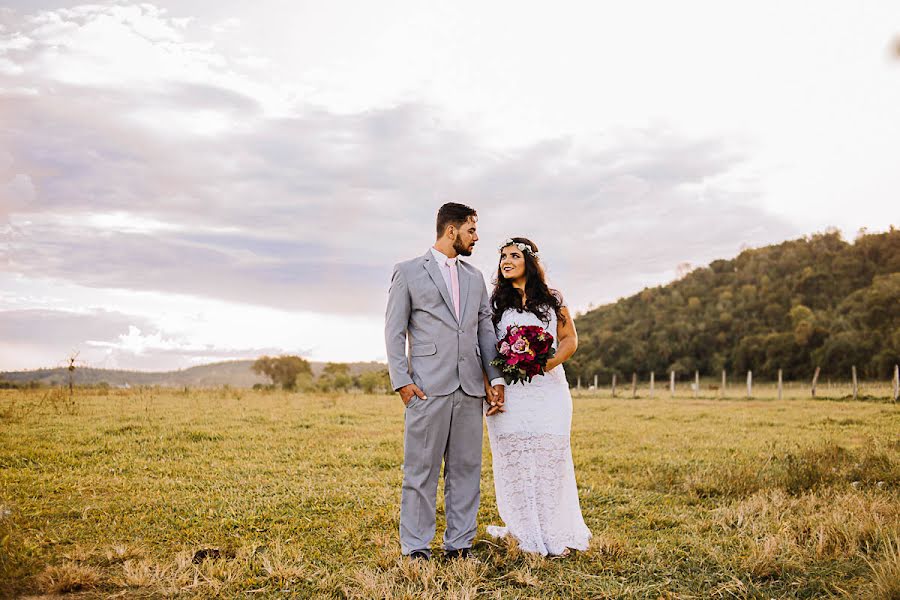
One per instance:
(440, 257)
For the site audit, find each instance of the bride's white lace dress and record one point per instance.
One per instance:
(534, 476)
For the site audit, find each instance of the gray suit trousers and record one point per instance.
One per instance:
(440, 429)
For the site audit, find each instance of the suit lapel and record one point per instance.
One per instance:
(435, 272)
(463, 289)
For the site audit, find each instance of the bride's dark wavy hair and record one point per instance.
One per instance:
(540, 298)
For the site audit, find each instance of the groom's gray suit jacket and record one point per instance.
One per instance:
(444, 353)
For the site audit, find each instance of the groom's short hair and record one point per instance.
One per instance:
(453, 214)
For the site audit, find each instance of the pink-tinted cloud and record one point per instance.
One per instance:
(135, 157)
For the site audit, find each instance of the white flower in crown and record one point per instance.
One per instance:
(520, 245)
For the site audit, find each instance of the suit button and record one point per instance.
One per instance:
(462, 358)
(460, 330)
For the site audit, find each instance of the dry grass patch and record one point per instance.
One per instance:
(796, 471)
(268, 568)
(460, 579)
(68, 577)
(142, 573)
(80, 553)
(120, 553)
(523, 577)
(885, 577)
(781, 537)
(817, 466)
(772, 557)
(737, 481)
(604, 545)
(282, 567)
(817, 526)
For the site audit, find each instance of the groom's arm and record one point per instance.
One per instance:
(487, 339)
(396, 321)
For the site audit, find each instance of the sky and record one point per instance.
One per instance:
(195, 181)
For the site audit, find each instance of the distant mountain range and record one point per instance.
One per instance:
(235, 373)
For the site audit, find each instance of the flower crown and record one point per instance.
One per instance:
(520, 245)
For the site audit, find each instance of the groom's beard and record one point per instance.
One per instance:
(460, 249)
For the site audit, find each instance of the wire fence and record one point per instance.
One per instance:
(675, 385)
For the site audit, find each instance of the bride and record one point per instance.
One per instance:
(534, 476)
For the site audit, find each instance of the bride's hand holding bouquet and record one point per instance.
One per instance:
(524, 353)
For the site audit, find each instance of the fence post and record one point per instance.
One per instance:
(896, 382)
(855, 383)
(614, 386)
(696, 384)
(749, 384)
(596, 387)
(672, 384)
(652, 377)
(779, 384)
(724, 382)
(578, 385)
(815, 380)
(634, 385)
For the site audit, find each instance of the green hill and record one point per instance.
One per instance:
(816, 301)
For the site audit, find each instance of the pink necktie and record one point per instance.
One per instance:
(454, 284)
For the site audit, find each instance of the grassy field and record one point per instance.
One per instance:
(298, 496)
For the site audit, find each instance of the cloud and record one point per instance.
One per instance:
(285, 274)
(16, 192)
(136, 350)
(166, 166)
(311, 216)
(64, 329)
(611, 220)
(105, 339)
(49, 337)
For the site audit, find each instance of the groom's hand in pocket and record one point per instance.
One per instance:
(408, 391)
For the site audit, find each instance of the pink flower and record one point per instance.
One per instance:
(520, 346)
(504, 348)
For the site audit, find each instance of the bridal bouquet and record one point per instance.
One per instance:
(524, 352)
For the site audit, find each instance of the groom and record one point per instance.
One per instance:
(439, 306)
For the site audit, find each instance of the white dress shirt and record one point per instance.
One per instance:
(442, 259)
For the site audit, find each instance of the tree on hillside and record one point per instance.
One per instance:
(282, 370)
(335, 378)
